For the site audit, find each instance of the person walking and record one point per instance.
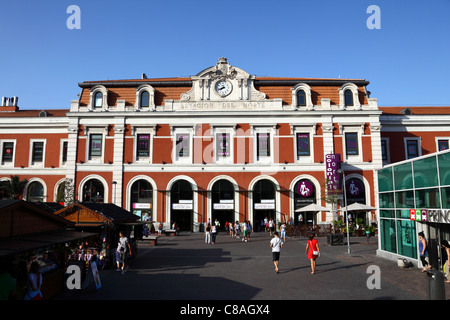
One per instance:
(34, 283)
(445, 255)
(245, 231)
(231, 229)
(237, 230)
(208, 234)
(283, 231)
(249, 231)
(271, 226)
(313, 251)
(423, 250)
(276, 244)
(123, 248)
(214, 229)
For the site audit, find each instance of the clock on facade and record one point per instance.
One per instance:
(223, 88)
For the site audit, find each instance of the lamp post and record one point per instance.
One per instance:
(346, 212)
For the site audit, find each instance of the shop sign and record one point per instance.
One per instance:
(268, 204)
(223, 206)
(430, 215)
(142, 205)
(183, 205)
(305, 188)
(332, 164)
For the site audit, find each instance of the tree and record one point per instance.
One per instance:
(66, 192)
(15, 187)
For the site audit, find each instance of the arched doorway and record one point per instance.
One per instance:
(35, 192)
(4, 187)
(182, 205)
(304, 194)
(222, 197)
(93, 191)
(263, 203)
(141, 203)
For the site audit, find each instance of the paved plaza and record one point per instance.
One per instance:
(185, 268)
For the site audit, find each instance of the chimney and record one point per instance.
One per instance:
(9, 104)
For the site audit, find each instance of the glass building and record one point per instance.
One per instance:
(414, 196)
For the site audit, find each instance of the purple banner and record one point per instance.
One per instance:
(332, 164)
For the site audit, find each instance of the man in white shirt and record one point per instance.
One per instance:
(276, 244)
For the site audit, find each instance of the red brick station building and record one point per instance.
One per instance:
(222, 144)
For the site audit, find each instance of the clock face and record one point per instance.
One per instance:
(223, 88)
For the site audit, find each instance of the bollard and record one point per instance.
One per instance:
(435, 285)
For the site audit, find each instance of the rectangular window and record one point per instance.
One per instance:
(64, 151)
(442, 145)
(384, 153)
(388, 235)
(8, 150)
(263, 144)
(182, 145)
(412, 149)
(303, 146)
(223, 145)
(95, 145)
(143, 145)
(351, 144)
(37, 152)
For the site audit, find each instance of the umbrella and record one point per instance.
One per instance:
(312, 207)
(358, 207)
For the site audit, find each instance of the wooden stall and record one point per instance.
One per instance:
(28, 233)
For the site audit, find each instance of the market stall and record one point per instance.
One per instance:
(31, 234)
(107, 220)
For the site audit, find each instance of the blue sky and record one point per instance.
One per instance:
(406, 61)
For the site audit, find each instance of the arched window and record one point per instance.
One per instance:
(142, 199)
(301, 98)
(93, 191)
(145, 99)
(348, 97)
(98, 100)
(35, 192)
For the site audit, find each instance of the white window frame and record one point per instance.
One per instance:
(271, 130)
(138, 131)
(151, 98)
(223, 130)
(175, 132)
(90, 131)
(37, 164)
(419, 146)
(61, 163)
(441, 138)
(388, 152)
(93, 91)
(359, 130)
(8, 164)
(354, 89)
(307, 89)
(304, 129)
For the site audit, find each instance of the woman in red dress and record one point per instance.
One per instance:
(313, 251)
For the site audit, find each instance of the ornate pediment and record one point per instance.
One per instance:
(223, 87)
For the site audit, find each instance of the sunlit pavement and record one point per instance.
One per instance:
(185, 268)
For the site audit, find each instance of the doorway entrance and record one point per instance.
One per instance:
(263, 204)
(222, 202)
(182, 205)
